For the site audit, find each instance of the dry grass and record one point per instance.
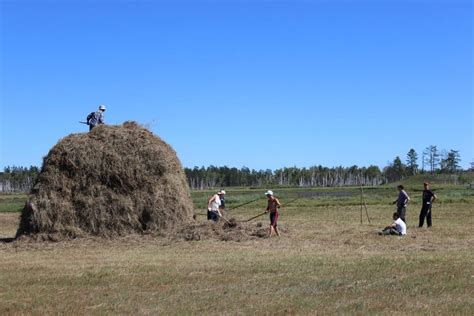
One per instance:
(8, 224)
(325, 262)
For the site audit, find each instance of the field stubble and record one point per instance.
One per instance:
(325, 262)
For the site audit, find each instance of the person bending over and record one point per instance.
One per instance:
(213, 208)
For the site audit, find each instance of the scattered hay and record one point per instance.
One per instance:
(113, 181)
(232, 230)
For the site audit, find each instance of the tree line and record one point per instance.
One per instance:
(17, 179)
(433, 160)
(213, 177)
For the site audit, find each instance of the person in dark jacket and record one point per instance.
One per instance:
(428, 198)
(96, 118)
(402, 202)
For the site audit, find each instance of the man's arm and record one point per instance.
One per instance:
(277, 203)
(391, 226)
(210, 201)
(407, 198)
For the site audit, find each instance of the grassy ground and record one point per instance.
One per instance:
(11, 203)
(325, 262)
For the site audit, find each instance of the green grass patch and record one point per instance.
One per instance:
(12, 203)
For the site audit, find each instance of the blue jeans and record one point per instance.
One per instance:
(213, 216)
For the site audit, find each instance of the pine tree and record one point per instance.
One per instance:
(412, 162)
(451, 162)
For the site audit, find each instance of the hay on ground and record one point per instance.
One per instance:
(232, 230)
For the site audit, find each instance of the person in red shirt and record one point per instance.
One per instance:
(273, 206)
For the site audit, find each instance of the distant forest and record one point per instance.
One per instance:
(21, 179)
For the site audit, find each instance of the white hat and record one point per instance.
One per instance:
(269, 192)
(102, 107)
(221, 192)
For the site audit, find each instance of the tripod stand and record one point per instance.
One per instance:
(363, 203)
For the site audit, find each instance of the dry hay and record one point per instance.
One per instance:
(232, 230)
(112, 181)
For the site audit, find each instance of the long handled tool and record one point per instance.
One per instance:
(225, 219)
(363, 202)
(196, 214)
(246, 203)
(266, 212)
(256, 216)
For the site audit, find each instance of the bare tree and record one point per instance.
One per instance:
(431, 155)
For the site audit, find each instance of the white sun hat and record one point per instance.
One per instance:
(221, 192)
(269, 192)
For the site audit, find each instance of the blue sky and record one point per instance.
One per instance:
(263, 84)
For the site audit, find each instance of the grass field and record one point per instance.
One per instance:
(326, 262)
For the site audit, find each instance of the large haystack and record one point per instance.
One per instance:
(112, 181)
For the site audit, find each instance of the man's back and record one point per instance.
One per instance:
(97, 118)
(401, 227)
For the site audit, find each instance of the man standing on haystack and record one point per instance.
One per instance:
(96, 118)
(214, 206)
(273, 206)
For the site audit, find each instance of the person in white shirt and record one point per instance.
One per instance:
(213, 207)
(398, 227)
(222, 197)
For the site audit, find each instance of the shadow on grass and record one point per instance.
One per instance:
(7, 240)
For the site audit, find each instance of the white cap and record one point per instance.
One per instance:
(221, 192)
(102, 107)
(269, 192)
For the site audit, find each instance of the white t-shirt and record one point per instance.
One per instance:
(215, 203)
(401, 227)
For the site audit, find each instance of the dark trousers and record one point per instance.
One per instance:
(390, 231)
(213, 216)
(401, 212)
(425, 212)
